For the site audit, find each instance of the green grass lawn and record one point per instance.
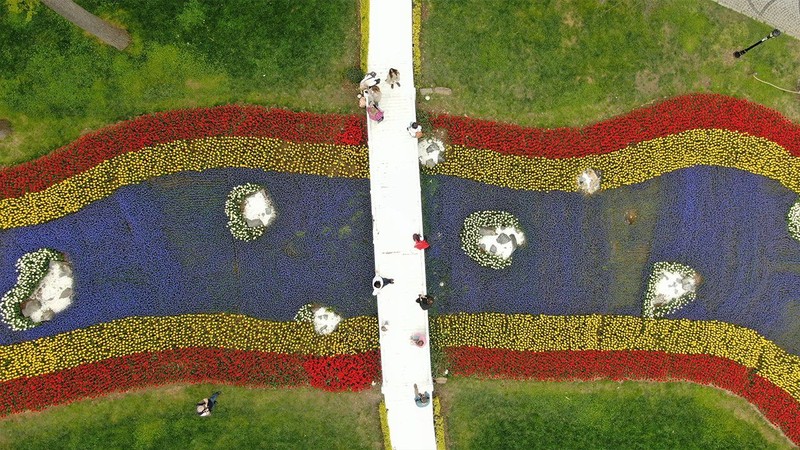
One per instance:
(56, 82)
(164, 418)
(565, 63)
(505, 414)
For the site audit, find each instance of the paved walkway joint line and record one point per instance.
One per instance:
(396, 216)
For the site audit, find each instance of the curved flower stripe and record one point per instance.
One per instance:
(671, 116)
(189, 365)
(631, 165)
(100, 181)
(595, 332)
(775, 403)
(634, 164)
(160, 128)
(153, 334)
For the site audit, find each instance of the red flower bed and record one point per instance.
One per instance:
(231, 120)
(189, 365)
(662, 119)
(775, 403)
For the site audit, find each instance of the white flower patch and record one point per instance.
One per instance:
(431, 152)
(793, 220)
(491, 237)
(324, 319)
(250, 211)
(306, 312)
(501, 241)
(671, 287)
(45, 286)
(588, 181)
(53, 294)
(257, 209)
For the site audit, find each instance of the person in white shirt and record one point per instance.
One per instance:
(368, 81)
(415, 130)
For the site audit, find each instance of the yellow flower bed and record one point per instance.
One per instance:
(597, 332)
(416, 26)
(387, 439)
(438, 424)
(151, 334)
(102, 180)
(633, 164)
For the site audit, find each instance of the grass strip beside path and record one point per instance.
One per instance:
(508, 414)
(56, 83)
(164, 418)
(557, 63)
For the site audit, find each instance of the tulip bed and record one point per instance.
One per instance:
(142, 351)
(162, 247)
(626, 348)
(139, 207)
(95, 148)
(672, 116)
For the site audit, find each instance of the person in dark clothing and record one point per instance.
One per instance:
(425, 301)
(205, 406)
(212, 401)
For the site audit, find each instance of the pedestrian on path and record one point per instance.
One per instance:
(425, 302)
(393, 78)
(375, 113)
(421, 398)
(418, 339)
(379, 282)
(375, 95)
(369, 80)
(415, 130)
(419, 243)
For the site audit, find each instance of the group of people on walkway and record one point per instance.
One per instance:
(369, 97)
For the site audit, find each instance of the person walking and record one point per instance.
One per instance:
(393, 78)
(379, 282)
(375, 95)
(421, 398)
(375, 113)
(425, 302)
(415, 130)
(369, 80)
(419, 243)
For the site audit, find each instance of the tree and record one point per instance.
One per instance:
(103, 30)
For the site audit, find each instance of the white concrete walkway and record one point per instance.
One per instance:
(397, 215)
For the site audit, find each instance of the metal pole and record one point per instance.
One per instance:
(772, 34)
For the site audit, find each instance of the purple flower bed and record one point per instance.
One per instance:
(727, 224)
(163, 248)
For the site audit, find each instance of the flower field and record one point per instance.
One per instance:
(165, 293)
